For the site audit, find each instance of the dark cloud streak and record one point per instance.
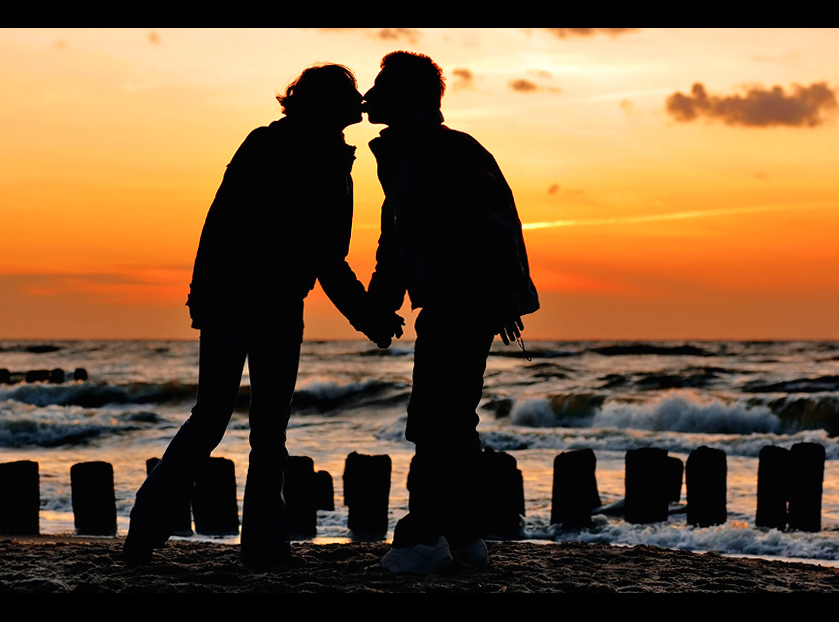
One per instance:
(804, 106)
(464, 78)
(387, 34)
(564, 33)
(523, 86)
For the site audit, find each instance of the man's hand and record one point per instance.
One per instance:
(385, 328)
(511, 330)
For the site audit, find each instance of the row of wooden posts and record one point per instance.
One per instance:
(52, 376)
(789, 492)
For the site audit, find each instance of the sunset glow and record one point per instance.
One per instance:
(672, 183)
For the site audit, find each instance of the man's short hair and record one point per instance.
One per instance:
(418, 75)
(314, 86)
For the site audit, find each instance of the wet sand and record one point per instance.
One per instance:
(49, 564)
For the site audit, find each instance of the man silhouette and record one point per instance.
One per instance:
(451, 238)
(281, 219)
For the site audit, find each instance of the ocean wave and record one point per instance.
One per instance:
(328, 395)
(646, 349)
(674, 412)
(94, 395)
(31, 348)
(732, 538)
(823, 384)
(321, 396)
(503, 438)
(29, 426)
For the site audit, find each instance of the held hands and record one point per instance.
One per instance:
(384, 328)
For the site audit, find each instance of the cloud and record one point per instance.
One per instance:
(388, 34)
(707, 213)
(410, 34)
(539, 73)
(563, 33)
(523, 86)
(463, 78)
(804, 106)
(137, 285)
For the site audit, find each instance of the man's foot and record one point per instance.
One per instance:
(425, 558)
(472, 553)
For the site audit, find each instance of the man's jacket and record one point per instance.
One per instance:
(451, 235)
(281, 219)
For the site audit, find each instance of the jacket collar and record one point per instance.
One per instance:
(395, 138)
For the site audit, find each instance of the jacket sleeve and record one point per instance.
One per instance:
(387, 287)
(506, 238)
(346, 292)
(334, 273)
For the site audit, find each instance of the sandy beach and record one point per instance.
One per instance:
(93, 565)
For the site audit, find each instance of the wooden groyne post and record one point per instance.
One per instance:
(574, 492)
(306, 492)
(805, 495)
(94, 503)
(182, 514)
(214, 506)
(20, 501)
(367, 493)
(705, 483)
(503, 495)
(647, 495)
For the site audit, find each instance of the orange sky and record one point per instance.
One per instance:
(653, 208)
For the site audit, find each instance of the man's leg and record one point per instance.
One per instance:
(449, 365)
(221, 360)
(443, 483)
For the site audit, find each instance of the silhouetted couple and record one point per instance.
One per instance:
(281, 220)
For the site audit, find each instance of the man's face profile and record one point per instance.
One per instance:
(380, 102)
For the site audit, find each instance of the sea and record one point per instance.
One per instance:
(548, 398)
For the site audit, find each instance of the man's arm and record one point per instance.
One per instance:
(347, 293)
(387, 287)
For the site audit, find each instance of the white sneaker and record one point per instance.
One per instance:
(475, 553)
(418, 557)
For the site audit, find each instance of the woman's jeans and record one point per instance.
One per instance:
(273, 355)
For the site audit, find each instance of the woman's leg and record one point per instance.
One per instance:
(221, 360)
(273, 363)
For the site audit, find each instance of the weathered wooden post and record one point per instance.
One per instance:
(20, 501)
(94, 503)
(805, 495)
(214, 506)
(503, 495)
(705, 482)
(300, 496)
(772, 487)
(324, 491)
(182, 515)
(367, 493)
(574, 493)
(645, 480)
(37, 375)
